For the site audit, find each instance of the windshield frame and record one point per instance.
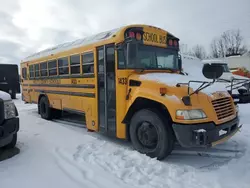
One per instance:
(122, 56)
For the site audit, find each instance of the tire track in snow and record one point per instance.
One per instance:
(136, 169)
(85, 174)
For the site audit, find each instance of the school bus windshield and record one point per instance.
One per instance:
(153, 58)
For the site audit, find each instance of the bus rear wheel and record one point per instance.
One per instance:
(44, 108)
(151, 134)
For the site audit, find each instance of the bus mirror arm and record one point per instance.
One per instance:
(179, 63)
(186, 99)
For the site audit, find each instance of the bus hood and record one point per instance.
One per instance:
(4, 96)
(173, 79)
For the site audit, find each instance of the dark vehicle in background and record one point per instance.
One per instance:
(9, 79)
(9, 122)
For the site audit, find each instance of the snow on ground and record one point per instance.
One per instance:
(60, 155)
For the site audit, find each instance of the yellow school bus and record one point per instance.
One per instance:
(127, 83)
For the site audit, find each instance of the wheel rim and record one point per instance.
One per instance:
(147, 135)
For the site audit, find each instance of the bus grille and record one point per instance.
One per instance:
(223, 107)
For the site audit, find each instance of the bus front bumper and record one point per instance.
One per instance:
(205, 134)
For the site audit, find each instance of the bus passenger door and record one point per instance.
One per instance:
(106, 89)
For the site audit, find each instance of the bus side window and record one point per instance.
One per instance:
(31, 70)
(121, 59)
(63, 66)
(37, 74)
(52, 65)
(24, 73)
(75, 64)
(110, 60)
(43, 69)
(100, 61)
(88, 62)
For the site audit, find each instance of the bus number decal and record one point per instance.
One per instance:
(123, 81)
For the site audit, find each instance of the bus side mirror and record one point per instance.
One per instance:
(212, 71)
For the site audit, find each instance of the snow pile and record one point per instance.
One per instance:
(5, 96)
(173, 79)
(134, 169)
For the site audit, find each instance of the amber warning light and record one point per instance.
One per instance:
(135, 35)
(172, 43)
(163, 91)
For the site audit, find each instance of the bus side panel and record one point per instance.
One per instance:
(121, 102)
(33, 95)
(25, 83)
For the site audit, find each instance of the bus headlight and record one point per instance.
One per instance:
(9, 110)
(190, 114)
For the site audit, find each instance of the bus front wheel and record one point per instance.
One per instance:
(44, 108)
(151, 134)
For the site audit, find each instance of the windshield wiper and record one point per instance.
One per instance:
(140, 70)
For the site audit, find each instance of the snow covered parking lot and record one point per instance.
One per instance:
(55, 154)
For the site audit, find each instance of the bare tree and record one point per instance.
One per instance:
(199, 52)
(215, 49)
(230, 43)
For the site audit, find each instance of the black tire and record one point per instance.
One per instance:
(13, 142)
(158, 127)
(45, 110)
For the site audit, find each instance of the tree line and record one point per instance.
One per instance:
(229, 43)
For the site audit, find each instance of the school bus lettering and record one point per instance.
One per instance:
(47, 81)
(152, 37)
(128, 91)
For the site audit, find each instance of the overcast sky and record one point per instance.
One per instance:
(27, 26)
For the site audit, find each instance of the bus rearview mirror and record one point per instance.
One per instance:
(212, 71)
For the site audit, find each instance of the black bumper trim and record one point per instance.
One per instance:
(241, 98)
(205, 134)
(8, 128)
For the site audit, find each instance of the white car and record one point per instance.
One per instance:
(9, 121)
